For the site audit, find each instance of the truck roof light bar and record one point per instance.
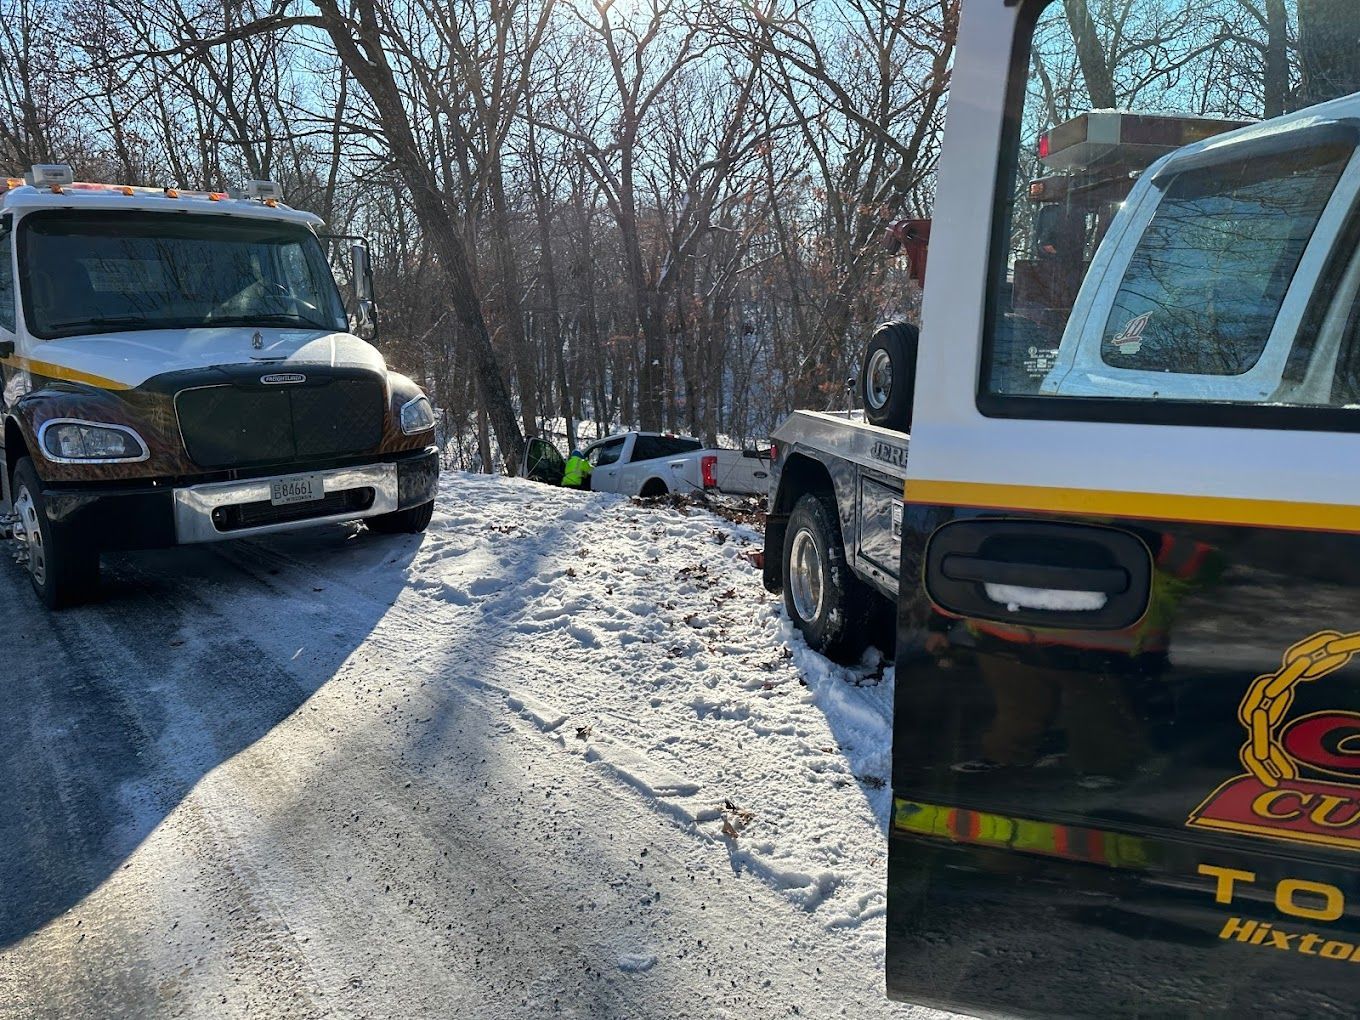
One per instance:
(121, 189)
(60, 179)
(1134, 140)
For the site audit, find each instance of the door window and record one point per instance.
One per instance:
(544, 461)
(6, 276)
(1143, 254)
(605, 453)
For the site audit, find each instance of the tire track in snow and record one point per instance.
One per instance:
(513, 609)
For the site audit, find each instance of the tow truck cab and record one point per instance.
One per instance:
(178, 367)
(1126, 778)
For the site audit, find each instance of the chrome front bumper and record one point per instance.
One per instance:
(195, 504)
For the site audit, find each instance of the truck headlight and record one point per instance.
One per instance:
(72, 441)
(417, 415)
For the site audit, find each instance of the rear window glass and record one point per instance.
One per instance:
(654, 447)
(1206, 282)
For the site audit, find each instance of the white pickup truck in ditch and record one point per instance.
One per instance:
(655, 464)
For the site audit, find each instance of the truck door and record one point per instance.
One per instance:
(543, 462)
(1126, 763)
(606, 462)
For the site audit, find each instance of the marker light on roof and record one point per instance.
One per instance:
(264, 190)
(51, 175)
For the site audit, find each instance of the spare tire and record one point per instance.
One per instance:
(888, 378)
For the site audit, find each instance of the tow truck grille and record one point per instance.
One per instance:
(236, 426)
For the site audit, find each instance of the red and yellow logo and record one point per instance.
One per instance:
(1303, 774)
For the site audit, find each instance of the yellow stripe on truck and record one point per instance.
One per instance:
(1153, 506)
(63, 373)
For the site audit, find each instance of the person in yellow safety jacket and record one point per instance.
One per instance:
(576, 475)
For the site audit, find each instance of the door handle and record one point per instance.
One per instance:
(1105, 580)
(971, 562)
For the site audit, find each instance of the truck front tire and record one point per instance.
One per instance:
(64, 570)
(822, 596)
(411, 521)
(888, 378)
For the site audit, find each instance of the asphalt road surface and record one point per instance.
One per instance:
(247, 783)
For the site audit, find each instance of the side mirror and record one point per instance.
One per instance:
(365, 309)
(363, 272)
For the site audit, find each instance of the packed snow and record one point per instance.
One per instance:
(569, 733)
(640, 639)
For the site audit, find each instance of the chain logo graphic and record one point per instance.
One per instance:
(1131, 340)
(1302, 778)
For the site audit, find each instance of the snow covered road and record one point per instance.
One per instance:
(561, 756)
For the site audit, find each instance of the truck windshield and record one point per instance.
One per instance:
(102, 272)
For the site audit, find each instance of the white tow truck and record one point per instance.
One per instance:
(833, 532)
(655, 464)
(179, 367)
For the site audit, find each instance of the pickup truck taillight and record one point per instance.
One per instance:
(706, 464)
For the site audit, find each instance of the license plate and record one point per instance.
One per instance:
(297, 489)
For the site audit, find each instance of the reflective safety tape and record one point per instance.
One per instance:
(62, 372)
(1026, 835)
(1152, 506)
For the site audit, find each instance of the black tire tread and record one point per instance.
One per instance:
(842, 632)
(72, 565)
(411, 521)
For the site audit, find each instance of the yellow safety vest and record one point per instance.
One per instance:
(575, 472)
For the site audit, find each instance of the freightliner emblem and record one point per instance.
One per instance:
(283, 378)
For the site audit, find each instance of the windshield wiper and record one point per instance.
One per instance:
(266, 319)
(100, 321)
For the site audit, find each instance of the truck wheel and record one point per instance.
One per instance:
(655, 488)
(822, 596)
(64, 570)
(411, 521)
(889, 375)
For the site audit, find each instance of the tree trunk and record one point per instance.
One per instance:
(1329, 49)
(1095, 66)
(1277, 59)
(366, 60)
(548, 267)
